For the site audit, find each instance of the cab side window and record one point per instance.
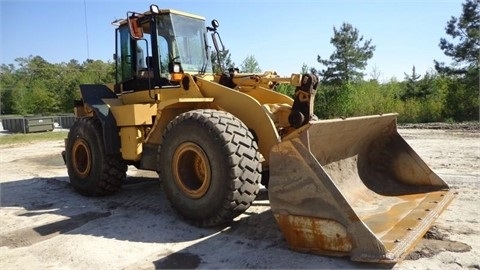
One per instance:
(124, 56)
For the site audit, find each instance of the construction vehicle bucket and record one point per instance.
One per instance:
(353, 187)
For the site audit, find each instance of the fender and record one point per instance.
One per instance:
(93, 95)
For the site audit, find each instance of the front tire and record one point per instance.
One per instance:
(208, 163)
(91, 171)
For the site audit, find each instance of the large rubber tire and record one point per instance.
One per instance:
(209, 166)
(91, 171)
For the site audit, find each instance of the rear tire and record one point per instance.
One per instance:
(91, 171)
(209, 166)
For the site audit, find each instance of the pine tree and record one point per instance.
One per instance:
(411, 85)
(349, 58)
(465, 30)
(225, 61)
(462, 100)
(250, 65)
(304, 69)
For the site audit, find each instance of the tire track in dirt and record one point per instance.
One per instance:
(139, 194)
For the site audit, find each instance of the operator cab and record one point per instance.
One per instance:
(154, 48)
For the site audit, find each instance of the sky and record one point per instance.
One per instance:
(282, 35)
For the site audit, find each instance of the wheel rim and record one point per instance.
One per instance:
(82, 158)
(191, 170)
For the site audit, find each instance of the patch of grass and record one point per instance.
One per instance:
(19, 138)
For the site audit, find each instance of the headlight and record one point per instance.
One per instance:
(176, 68)
(154, 9)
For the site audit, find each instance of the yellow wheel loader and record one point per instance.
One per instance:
(343, 187)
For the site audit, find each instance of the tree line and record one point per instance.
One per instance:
(449, 93)
(35, 86)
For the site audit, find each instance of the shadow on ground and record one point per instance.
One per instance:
(141, 213)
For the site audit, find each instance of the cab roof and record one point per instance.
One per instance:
(162, 11)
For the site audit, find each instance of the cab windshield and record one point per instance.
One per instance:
(182, 39)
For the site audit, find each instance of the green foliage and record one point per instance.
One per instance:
(286, 89)
(416, 88)
(7, 80)
(351, 100)
(465, 31)
(369, 98)
(349, 58)
(250, 65)
(225, 61)
(332, 101)
(411, 86)
(452, 94)
(462, 97)
(462, 100)
(34, 86)
(304, 69)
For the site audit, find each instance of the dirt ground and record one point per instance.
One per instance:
(45, 224)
